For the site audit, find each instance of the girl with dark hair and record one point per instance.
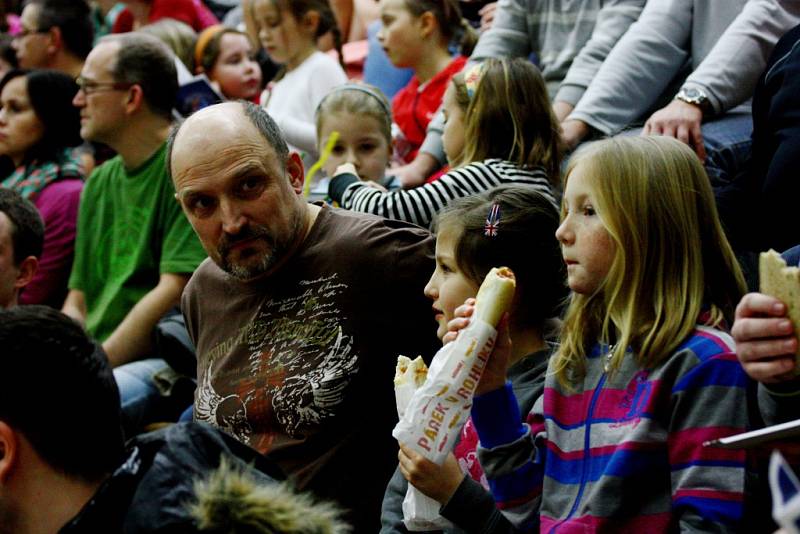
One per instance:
(39, 136)
(523, 240)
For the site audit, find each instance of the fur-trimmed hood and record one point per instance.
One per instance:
(230, 500)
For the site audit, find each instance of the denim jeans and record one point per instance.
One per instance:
(151, 392)
(728, 142)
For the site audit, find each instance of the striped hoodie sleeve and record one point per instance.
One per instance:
(511, 455)
(419, 205)
(708, 482)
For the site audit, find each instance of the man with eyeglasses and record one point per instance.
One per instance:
(56, 34)
(134, 249)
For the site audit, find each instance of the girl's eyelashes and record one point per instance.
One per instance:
(445, 267)
(588, 210)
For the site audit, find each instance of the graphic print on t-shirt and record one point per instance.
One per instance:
(298, 367)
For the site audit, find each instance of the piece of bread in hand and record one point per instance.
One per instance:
(783, 283)
(495, 295)
(412, 371)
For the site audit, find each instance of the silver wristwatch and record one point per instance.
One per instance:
(693, 95)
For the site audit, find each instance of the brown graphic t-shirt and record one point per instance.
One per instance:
(300, 365)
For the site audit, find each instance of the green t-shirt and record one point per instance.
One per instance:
(130, 231)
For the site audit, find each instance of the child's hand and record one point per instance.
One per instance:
(439, 482)
(348, 168)
(495, 372)
(460, 320)
(765, 343)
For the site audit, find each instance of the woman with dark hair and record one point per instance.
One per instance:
(39, 158)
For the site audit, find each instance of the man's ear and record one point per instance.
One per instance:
(9, 451)
(56, 40)
(294, 168)
(135, 99)
(27, 269)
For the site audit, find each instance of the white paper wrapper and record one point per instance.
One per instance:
(437, 411)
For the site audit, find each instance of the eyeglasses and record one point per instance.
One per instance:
(89, 86)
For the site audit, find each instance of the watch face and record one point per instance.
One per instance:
(692, 93)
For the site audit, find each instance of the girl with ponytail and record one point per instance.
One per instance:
(418, 34)
(288, 31)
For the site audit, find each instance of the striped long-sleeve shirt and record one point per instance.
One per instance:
(623, 452)
(420, 204)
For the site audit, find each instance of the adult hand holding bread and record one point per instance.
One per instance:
(765, 340)
(766, 323)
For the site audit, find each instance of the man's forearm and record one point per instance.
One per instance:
(132, 339)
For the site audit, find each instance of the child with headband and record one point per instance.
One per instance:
(524, 241)
(644, 374)
(500, 129)
(227, 57)
(361, 117)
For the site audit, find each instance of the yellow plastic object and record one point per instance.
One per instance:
(326, 153)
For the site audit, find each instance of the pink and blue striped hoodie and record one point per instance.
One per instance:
(623, 452)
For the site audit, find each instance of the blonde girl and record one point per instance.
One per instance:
(525, 241)
(362, 117)
(500, 129)
(288, 30)
(644, 375)
(227, 57)
(417, 34)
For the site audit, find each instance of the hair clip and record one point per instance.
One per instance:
(492, 221)
(471, 78)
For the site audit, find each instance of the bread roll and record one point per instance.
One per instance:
(495, 295)
(410, 371)
(783, 283)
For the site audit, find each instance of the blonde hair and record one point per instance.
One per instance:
(510, 117)
(356, 99)
(180, 37)
(672, 260)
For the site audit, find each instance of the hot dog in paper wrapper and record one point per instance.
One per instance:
(438, 409)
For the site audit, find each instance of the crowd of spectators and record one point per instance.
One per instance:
(230, 218)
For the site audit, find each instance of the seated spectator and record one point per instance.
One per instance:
(570, 40)
(134, 250)
(56, 34)
(361, 117)
(40, 134)
(525, 243)
(301, 357)
(500, 129)
(758, 206)
(137, 13)
(725, 42)
(227, 57)
(70, 471)
(643, 375)
(417, 35)
(21, 237)
(289, 32)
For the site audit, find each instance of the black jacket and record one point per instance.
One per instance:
(190, 477)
